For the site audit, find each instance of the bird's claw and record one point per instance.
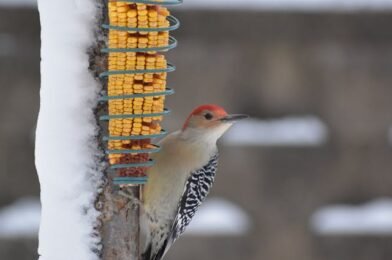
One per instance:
(135, 202)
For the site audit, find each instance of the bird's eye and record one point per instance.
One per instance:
(208, 116)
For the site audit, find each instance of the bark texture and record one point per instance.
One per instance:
(118, 225)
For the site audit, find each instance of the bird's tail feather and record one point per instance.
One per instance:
(147, 254)
(161, 252)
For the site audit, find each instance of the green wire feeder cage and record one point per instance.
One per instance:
(138, 31)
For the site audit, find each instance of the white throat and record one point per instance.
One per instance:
(205, 136)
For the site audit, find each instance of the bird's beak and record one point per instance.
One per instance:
(233, 118)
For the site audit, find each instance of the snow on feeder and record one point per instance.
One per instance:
(138, 33)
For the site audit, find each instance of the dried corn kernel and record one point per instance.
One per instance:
(142, 16)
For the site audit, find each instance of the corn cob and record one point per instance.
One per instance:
(135, 16)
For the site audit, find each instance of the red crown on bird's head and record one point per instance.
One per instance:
(198, 111)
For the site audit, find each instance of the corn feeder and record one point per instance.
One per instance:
(138, 34)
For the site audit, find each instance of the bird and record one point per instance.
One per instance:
(181, 178)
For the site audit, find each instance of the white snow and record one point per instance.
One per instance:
(215, 217)
(373, 218)
(288, 131)
(219, 217)
(298, 5)
(66, 149)
(20, 219)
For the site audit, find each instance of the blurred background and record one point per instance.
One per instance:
(307, 178)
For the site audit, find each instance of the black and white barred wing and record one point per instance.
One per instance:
(196, 190)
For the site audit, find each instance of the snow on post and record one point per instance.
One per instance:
(84, 214)
(67, 154)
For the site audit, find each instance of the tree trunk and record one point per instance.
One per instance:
(119, 221)
(120, 224)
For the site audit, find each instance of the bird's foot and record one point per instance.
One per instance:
(133, 200)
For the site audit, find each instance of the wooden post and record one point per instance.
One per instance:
(120, 225)
(119, 221)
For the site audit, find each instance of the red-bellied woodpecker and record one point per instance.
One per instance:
(181, 178)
